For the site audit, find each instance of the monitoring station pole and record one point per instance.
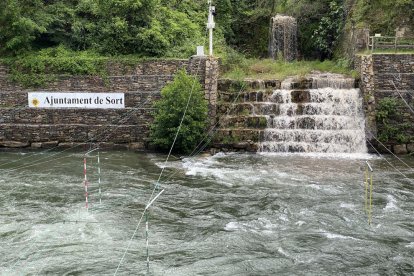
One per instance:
(211, 25)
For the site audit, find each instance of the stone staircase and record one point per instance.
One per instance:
(241, 106)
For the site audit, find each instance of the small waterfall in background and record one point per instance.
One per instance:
(283, 39)
(327, 117)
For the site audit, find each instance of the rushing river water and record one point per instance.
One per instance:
(222, 215)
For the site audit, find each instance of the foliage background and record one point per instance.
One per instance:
(162, 28)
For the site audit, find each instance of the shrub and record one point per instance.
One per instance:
(36, 69)
(169, 111)
(389, 121)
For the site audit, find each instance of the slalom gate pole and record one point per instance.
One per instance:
(368, 202)
(99, 179)
(85, 183)
(147, 240)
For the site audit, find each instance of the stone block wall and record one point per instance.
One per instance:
(21, 126)
(389, 76)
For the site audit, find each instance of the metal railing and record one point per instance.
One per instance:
(390, 43)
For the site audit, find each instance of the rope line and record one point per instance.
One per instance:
(395, 168)
(402, 161)
(156, 186)
(398, 91)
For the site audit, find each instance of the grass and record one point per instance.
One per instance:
(38, 68)
(277, 69)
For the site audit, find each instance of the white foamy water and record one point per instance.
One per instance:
(228, 214)
(328, 120)
(391, 203)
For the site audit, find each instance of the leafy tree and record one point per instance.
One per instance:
(170, 110)
(21, 22)
(326, 36)
(110, 27)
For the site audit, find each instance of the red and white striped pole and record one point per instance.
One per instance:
(85, 183)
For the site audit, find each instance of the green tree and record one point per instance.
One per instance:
(326, 36)
(169, 111)
(21, 22)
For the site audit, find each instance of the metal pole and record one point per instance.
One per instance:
(210, 26)
(210, 49)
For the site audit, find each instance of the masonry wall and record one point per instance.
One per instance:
(389, 76)
(21, 126)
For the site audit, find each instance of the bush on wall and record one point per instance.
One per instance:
(169, 111)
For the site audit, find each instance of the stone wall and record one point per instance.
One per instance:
(21, 126)
(389, 76)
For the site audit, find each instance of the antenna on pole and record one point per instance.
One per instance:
(211, 25)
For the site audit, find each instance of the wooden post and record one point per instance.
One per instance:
(373, 42)
(395, 44)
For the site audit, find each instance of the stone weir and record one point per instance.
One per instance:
(318, 113)
(128, 127)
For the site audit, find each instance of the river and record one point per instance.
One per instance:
(235, 214)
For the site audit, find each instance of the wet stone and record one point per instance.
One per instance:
(400, 149)
(300, 96)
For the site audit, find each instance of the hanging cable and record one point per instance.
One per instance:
(399, 159)
(402, 174)
(156, 186)
(398, 91)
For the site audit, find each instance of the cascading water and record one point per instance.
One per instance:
(327, 118)
(283, 39)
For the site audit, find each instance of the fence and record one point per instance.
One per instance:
(390, 42)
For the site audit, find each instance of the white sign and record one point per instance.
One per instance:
(76, 100)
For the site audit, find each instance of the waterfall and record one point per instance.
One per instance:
(283, 39)
(326, 118)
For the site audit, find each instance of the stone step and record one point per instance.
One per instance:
(353, 136)
(276, 109)
(259, 122)
(321, 96)
(229, 85)
(237, 135)
(315, 122)
(248, 108)
(313, 81)
(243, 96)
(309, 147)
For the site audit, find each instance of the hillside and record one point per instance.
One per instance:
(160, 28)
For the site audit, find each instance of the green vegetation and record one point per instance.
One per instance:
(36, 69)
(271, 69)
(110, 27)
(76, 32)
(170, 110)
(387, 118)
(381, 16)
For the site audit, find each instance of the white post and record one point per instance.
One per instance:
(210, 51)
(210, 26)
